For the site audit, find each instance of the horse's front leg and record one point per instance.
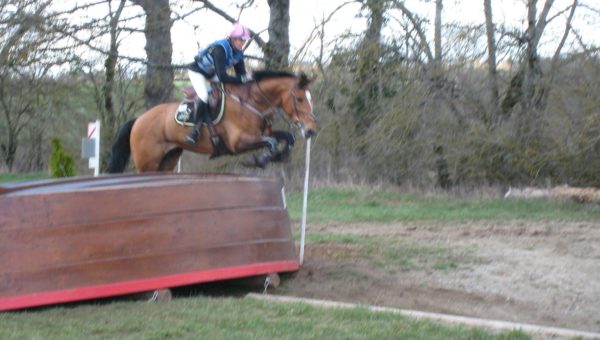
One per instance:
(257, 142)
(289, 140)
(271, 152)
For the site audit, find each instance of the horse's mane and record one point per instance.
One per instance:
(263, 74)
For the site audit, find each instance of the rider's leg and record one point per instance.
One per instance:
(199, 84)
(199, 117)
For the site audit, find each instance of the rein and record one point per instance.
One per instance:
(261, 114)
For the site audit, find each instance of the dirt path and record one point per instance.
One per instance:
(545, 273)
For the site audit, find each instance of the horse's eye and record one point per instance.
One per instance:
(300, 100)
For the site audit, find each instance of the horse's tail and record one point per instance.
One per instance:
(121, 149)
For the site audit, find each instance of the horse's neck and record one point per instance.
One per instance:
(268, 93)
(250, 94)
(240, 91)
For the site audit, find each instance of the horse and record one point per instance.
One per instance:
(156, 141)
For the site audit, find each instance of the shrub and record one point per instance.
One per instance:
(62, 163)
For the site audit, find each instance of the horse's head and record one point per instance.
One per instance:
(290, 92)
(299, 106)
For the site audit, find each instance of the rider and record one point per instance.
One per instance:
(211, 64)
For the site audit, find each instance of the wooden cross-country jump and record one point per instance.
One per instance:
(85, 238)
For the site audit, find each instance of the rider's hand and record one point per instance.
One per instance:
(246, 78)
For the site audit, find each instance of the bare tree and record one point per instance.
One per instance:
(561, 44)
(210, 6)
(438, 37)
(159, 50)
(278, 48)
(433, 56)
(109, 119)
(367, 95)
(492, 64)
(26, 55)
(14, 29)
(524, 87)
(422, 41)
(108, 25)
(532, 68)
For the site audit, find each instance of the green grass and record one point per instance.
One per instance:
(364, 205)
(225, 318)
(11, 177)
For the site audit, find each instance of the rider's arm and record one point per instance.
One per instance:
(240, 68)
(218, 54)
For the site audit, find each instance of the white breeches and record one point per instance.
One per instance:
(200, 84)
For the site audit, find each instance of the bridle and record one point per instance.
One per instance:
(293, 93)
(268, 114)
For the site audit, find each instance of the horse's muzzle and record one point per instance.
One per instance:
(309, 133)
(306, 132)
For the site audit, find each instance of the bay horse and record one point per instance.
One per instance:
(156, 141)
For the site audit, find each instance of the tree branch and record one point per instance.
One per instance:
(423, 38)
(209, 5)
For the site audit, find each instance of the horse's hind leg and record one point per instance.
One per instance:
(149, 158)
(170, 159)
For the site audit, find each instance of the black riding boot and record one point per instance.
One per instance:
(194, 135)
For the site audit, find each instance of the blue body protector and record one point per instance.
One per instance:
(205, 61)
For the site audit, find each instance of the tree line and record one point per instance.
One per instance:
(467, 104)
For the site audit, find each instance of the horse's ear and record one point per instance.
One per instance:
(305, 81)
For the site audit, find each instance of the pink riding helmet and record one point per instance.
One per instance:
(240, 31)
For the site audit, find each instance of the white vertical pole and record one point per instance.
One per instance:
(305, 200)
(97, 146)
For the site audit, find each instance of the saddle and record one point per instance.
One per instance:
(184, 115)
(187, 108)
